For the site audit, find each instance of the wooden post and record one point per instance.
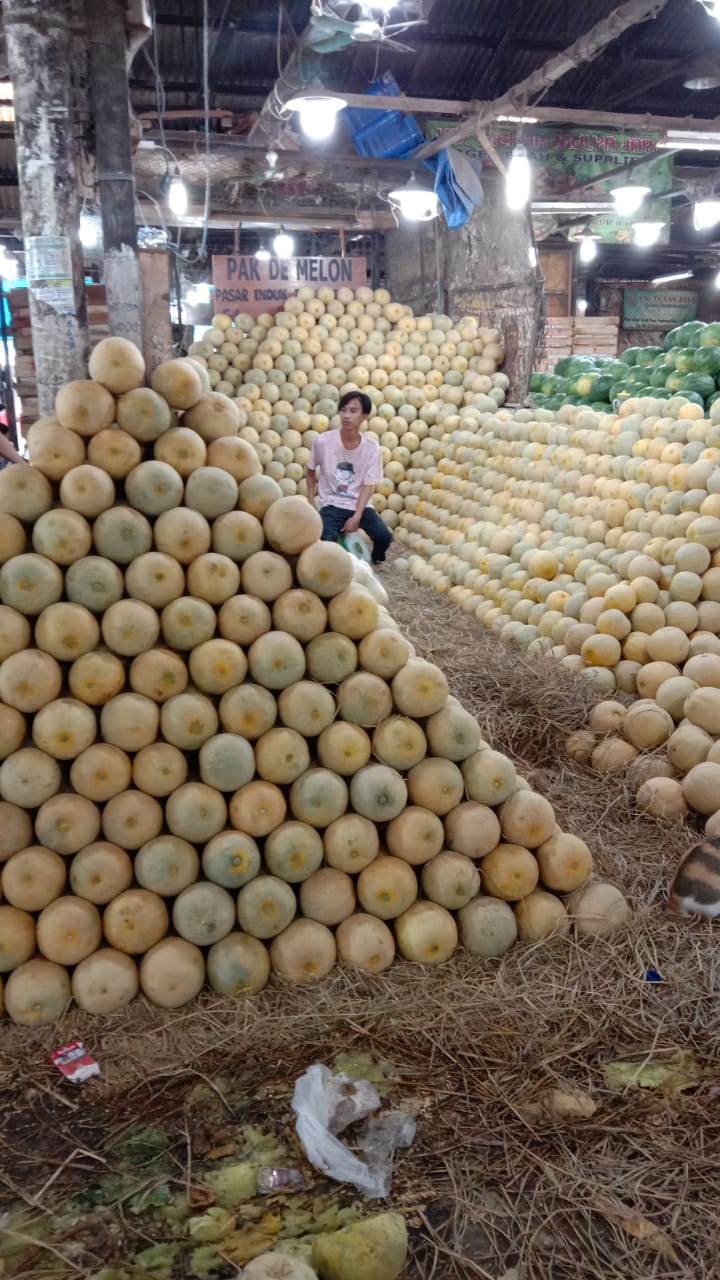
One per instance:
(489, 272)
(39, 57)
(109, 87)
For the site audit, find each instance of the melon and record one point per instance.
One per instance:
(266, 575)
(213, 415)
(597, 910)
(365, 942)
(213, 577)
(12, 730)
(325, 568)
(281, 756)
(37, 993)
(303, 952)
(154, 487)
(226, 762)
(187, 622)
(17, 937)
(178, 382)
(662, 798)
(182, 449)
(68, 929)
(155, 578)
(122, 534)
(53, 449)
(527, 819)
(415, 835)
(238, 965)
(117, 365)
(131, 819)
(351, 843)
(62, 536)
(509, 872)
(384, 652)
(100, 771)
(15, 632)
(306, 707)
(203, 913)
(353, 612)
(426, 933)
(419, 689)
(435, 784)
(565, 862)
(100, 871)
(257, 493)
(172, 972)
(232, 858)
(135, 920)
(96, 677)
(129, 721)
(328, 895)
(67, 822)
(12, 537)
(159, 769)
(196, 812)
(258, 808)
(66, 631)
(210, 491)
(114, 451)
(386, 887)
(105, 982)
(238, 535)
(158, 675)
(472, 828)
(291, 525)
(487, 927)
(25, 492)
(399, 742)
(364, 699)
(265, 906)
(378, 793)
(166, 865)
(540, 916)
(29, 680)
(94, 582)
(188, 719)
(182, 534)
(453, 733)
(87, 490)
(30, 582)
(318, 797)
(235, 456)
(293, 851)
(248, 711)
(450, 879)
(331, 658)
(299, 613)
(243, 619)
(84, 407)
(28, 778)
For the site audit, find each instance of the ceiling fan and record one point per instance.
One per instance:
(336, 24)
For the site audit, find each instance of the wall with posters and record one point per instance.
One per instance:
(255, 287)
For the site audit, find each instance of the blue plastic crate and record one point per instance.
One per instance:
(388, 134)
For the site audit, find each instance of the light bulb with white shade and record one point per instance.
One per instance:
(517, 179)
(706, 213)
(284, 245)
(647, 233)
(8, 266)
(89, 230)
(416, 203)
(262, 254)
(717, 280)
(177, 200)
(318, 110)
(628, 199)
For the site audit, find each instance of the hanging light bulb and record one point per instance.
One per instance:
(384, 5)
(262, 253)
(628, 199)
(283, 244)
(588, 248)
(416, 203)
(318, 109)
(717, 280)
(89, 229)
(8, 266)
(176, 196)
(706, 213)
(517, 180)
(712, 7)
(647, 233)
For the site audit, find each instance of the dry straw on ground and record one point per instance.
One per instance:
(486, 1189)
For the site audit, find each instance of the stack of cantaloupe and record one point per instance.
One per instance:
(285, 373)
(220, 757)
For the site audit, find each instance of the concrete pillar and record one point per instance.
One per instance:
(107, 39)
(39, 52)
(484, 270)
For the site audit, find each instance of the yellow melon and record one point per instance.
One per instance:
(426, 933)
(415, 835)
(353, 612)
(187, 622)
(158, 674)
(122, 534)
(67, 822)
(435, 784)
(258, 808)
(87, 490)
(351, 843)
(37, 993)
(365, 942)
(12, 730)
(213, 415)
(509, 872)
(196, 812)
(12, 537)
(29, 777)
(54, 449)
(300, 613)
(235, 456)
(243, 619)
(541, 915)
(266, 575)
(328, 896)
(387, 887)
(188, 719)
(419, 689)
(114, 451)
(291, 525)
(231, 858)
(565, 862)
(155, 578)
(64, 728)
(166, 865)
(129, 721)
(172, 972)
(472, 828)
(304, 952)
(100, 871)
(383, 652)
(105, 982)
(30, 582)
(68, 929)
(182, 534)
(131, 819)
(84, 407)
(135, 920)
(237, 534)
(182, 448)
(159, 769)
(248, 710)
(265, 906)
(17, 937)
(145, 414)
(203, 913)
(117, 365)
(33, 877)
(325, 568)
(96, 677)
(450, 879)
(178, 382)
(25, 492)
(527, 819)
(29, 680)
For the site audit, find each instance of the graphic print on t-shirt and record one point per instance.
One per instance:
(344, 473)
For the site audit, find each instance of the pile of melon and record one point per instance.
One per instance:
(220, 757)
(285, 373)
(594, 538)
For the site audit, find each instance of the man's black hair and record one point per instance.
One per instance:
(365, 401)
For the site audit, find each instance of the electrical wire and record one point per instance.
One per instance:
(206, 109)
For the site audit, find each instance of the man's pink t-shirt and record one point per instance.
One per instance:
(343, 471)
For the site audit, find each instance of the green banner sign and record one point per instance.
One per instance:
(568, 157)
(658, 308)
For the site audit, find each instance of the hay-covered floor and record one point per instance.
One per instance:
(489, 1190)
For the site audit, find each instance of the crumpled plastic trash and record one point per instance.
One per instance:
(324, 1106)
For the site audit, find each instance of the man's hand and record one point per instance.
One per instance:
(352, 525)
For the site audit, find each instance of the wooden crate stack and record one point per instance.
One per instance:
(582, 336)
(25, 380)
(596, 335)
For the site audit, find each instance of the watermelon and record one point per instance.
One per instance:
(713, 399)
(648, 355)
(671, 338)
(686, 331)
(536, 381)
(615, 369)
(701, 383)
(707, 360)
(710, 336)
(630, 355)
(658, 376)
(673, 380)
(601, 389)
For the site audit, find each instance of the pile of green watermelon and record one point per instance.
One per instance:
(687, 364)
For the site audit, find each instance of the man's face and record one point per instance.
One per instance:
(351, 416)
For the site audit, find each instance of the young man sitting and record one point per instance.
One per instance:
(350, 465)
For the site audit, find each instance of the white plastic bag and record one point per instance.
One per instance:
(324, 1104)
